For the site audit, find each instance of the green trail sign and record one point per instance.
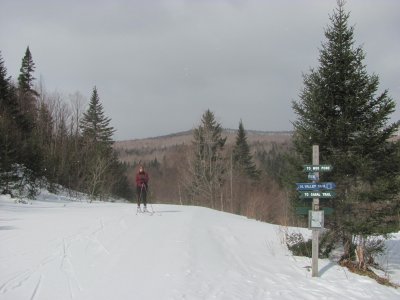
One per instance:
(317, 168)
(315, 186)
(317, 194)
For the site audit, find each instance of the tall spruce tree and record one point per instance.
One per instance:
(28, 101)
(95, 125)
(242, 158)
(26, 79)
(27, 96)
(208, 164)
(98, 156)
(339, 109)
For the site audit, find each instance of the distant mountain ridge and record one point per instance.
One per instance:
(225, 130)
(157, 147)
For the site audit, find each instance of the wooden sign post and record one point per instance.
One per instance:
(315, 207)
(316, 190)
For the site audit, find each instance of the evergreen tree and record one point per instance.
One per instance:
(98, 156)
(27, 96)
(32, 155)
(242, 158)
(208, 164)
(95, 125)
(25, 79)
(339, 110)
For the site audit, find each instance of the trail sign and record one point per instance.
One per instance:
(316, 186)
(312, 176)
(317, 168)
(317, 194)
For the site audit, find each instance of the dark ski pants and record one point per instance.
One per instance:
(141, 195)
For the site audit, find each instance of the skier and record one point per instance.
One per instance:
(142, 180)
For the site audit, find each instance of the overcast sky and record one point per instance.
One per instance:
(159, 64)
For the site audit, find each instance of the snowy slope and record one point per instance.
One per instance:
(75, 250)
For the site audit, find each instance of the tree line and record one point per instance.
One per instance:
(45, 141)
(220, 178)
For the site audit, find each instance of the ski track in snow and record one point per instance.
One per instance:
(106, 251)
(36, 288)
(59, 250)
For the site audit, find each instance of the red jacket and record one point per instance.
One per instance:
(142, 178)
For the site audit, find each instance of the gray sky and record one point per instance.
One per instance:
(159, 64)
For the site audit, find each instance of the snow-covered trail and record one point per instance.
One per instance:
(106, 251)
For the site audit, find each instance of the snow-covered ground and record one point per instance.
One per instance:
(76, 250)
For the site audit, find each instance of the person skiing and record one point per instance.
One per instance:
(142, 180)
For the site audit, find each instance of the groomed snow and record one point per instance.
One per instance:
(76, 250)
